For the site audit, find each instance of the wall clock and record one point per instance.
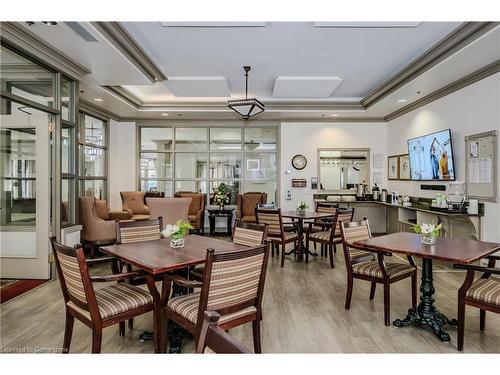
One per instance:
(299, 162)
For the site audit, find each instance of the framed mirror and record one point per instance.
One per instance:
(343, 168)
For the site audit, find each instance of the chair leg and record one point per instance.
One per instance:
(348, 295)
(282, 255)
(387, 304)
(414, 290)
(96, 340)
(121, 329)
(277, 249)
(335, 248)
(330, 253)
(131, 323)
(482, 319)
(256, 336)
(372, 289)
(68, 332)
(322, 250)
(461, 324)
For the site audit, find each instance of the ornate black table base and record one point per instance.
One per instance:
(426, 313)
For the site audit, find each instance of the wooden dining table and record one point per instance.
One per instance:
(158, 257)
(300, 217)
(452, 250)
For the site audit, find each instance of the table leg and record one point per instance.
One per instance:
(230, 224)
(211, 219)
(426, 314)
(159, 334)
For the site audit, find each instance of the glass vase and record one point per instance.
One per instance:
(428, 239)
(176, 243)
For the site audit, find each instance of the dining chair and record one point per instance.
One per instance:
(361, 264)
(99, 308)
(232, 286)
(277, 234)
(170, 210)
(320, 224)
(484, 293)
(216, 339)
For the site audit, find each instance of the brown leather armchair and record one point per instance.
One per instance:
(245, 211)
(96, 232)
(103, 212)
(196, 212)
(134, 203)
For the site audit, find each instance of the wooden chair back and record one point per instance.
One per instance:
(233, 281)
(74, 278)
(343, 215)
(326, 208)
(249, 234)
(138, 231)
(351, 232)
(215, 338)
(273, 219)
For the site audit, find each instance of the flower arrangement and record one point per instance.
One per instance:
(428, 232)
(177, 232)
(302, 207)
(221, 196)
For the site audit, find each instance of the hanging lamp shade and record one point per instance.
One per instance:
(246, 108)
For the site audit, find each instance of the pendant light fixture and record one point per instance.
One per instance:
(246, 108)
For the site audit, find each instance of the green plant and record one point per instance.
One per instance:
(302, 206)
(179, 230)
(221, 197)
(432, 230)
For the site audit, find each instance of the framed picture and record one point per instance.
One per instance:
(393, 167)
(253, 165)
(404, 167)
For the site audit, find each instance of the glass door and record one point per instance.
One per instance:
(25, 198)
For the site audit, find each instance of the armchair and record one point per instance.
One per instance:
(102, 211)
(196, 212)
(134, 203)
(246, 204)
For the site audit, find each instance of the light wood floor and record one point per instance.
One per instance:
(303, 312)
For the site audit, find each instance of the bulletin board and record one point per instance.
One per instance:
(481, 166)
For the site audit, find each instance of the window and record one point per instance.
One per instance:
(93, 169)
(173, 159)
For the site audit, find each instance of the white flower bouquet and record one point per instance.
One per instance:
(428, 232)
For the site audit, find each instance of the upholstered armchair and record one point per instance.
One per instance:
(170, 209)
(103, 212)
(196, 212)
(96, 232)
(246, 204)
(134, 203)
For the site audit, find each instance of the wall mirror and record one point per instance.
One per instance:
(343, 168)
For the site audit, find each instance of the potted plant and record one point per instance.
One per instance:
(301, 207)
(177, 233)
(428, 232)
(221, 196)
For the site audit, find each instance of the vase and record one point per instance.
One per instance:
(175, 243)
(428, 239)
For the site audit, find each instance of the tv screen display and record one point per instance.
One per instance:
(431, 157)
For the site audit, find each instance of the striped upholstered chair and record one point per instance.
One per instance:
(362, 265)
(100, 308)
(484, 293)
(277, 234)
(139, 231)
(232, 286)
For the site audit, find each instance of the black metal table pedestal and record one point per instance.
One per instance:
(426, 313)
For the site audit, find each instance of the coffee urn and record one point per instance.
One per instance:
(383, 195)
(375, 193)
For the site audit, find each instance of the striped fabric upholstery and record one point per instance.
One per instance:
(358, 254)
(248, 237)
(372, 269)
(116, 299)
(486, 290)
(354, 234)
(72, 276)
(140, 233)
(321, 236)
(273, 222)
(347, 216)
(188, 306)
(289, 236)
(326, 209)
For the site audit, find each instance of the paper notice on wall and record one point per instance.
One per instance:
(486, 171)
(474, 171)
(378, 160)
(377, 178)
(474, 148)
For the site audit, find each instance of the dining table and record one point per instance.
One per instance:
(157, 257)
(299, 217)
(451, 250)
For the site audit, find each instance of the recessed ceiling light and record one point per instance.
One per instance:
(50, 23)
(165, 114)
(98, 99)
(402, 100)
(334, 115)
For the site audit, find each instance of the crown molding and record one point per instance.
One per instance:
(124, 95)
(463, 35)
(119, 37)
(31, 45)
(94, 110)
(474, 77)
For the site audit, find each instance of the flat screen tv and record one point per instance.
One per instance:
(431, 157)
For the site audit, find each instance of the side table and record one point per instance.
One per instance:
(216, 212)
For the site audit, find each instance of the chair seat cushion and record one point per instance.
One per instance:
(187, 306)
(486, 290)
(140, 217)
(321, 236)
(248, 219)
(372, 268)
(116, 299)
(289, 237)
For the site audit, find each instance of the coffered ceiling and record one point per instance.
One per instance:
(300, 70)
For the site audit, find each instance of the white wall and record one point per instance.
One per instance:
(474, 109)
(306, 137)
(122, 161)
